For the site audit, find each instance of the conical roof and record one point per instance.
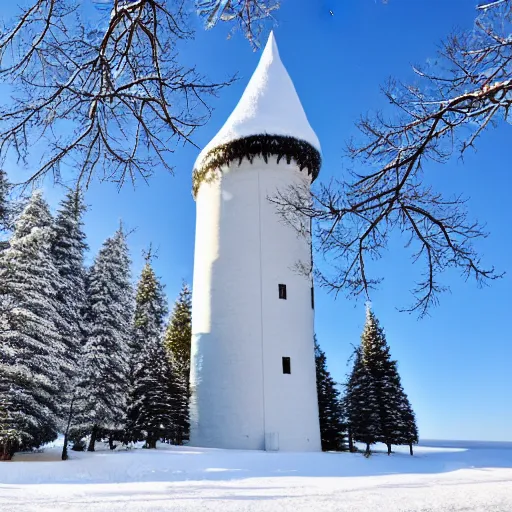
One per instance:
(269, 106)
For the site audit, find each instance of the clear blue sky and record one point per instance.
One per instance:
(455, 365)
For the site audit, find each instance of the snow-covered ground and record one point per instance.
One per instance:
(450, 477)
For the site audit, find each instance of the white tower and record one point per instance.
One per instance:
(253, 383)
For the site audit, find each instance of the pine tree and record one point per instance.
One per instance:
(177, 342)
(150, 409)
(5, 209)
(68, 250)
(332, 427)
(104, 383)
(361, 404)
(407, 429)
(385, 384)
(32, 352)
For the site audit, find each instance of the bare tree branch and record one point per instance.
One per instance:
(248, 14)
(108, 98)
(444, 113)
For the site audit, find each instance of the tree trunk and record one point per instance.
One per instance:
(350, 442)
(92, 441)
(111, 444)
(410, 449)
(64, 455)
(7, 451)
(389, 448)
(66, 434)
(151, 442)
(368, 448)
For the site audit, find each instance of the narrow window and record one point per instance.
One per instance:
(282, 291)
(287, 367)
(312, 297)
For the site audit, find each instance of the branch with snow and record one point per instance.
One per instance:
(112, 99)
(444, 113)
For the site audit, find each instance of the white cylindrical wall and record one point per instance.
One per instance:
(241, 330)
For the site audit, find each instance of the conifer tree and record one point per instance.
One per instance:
(104, 383)
(332, 427)
(177, 342)
(4, 201)
(32, 352)
(392, 420)
(361, 405)
(407, 429)
(150, 410)
(68, 250)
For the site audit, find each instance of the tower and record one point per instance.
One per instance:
(252, 374)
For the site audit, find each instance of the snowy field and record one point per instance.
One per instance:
(441, 477)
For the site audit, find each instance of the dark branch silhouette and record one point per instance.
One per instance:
(113, 98)
(469, 90)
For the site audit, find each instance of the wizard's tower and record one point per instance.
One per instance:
(253, 369)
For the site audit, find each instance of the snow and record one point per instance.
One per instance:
(453, 477)
(270, 105)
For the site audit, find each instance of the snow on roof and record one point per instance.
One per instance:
(269, 106)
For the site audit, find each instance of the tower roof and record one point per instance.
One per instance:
(269, 106)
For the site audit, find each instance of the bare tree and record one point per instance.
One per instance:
(469, 90)
(108, 97)
(248, 14)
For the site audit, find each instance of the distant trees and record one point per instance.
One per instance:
(330, 409)
(377, 407)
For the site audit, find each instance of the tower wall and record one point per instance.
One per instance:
(241, 330)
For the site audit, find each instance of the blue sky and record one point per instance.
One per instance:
(455, 364)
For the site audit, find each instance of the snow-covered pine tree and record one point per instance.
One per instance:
(150, 412)
(332, 426)
(385, 378)
(361, 405)
(32, 353)
(407, 429)
(69, 246)
(177, 342)
(104, 382)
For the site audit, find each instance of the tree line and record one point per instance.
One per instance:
(81, 352)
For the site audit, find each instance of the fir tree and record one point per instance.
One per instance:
(151, 409)
(383, 385)
(32, 352)
(384, 375)
(68, 250)
(361, 405)
(5, 209)
(407, 430)
(177, 342)
(332, 427)
(104, 382)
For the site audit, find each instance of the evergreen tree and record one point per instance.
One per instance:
(32, 352)
(392, 419)
(68, 250)
(5, 209)
(407, 429)
(178, 337)
(332, 427)
(104, 383)
(361, 405)
(150, 411)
